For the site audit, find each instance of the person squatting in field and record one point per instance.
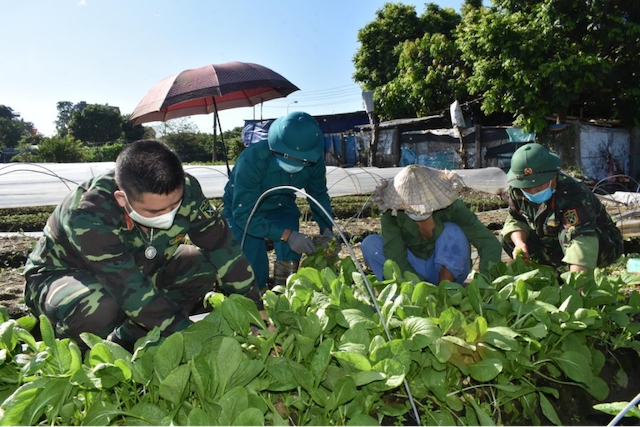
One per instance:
(293, 156)
(112, 260)
(426, 229)
(555, 218)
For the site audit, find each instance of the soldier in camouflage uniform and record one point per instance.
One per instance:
(113, 261)
(554, 217)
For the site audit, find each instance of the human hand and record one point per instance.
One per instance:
(521, 251)
(328, 236)
(301, 243)
(267, 322)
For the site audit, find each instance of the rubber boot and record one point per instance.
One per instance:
(282, 270)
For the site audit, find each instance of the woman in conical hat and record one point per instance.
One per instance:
(427, 229)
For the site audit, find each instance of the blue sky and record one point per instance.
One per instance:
(113, 51)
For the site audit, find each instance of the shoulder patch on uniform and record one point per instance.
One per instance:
(207, 209)
(571, 217)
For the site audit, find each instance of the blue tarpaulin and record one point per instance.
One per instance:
(255, 131)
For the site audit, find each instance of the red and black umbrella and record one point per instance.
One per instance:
(210, 89)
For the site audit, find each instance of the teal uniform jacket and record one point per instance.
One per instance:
(257, 171)
(401, 233)
(90, 232)
(573, 226)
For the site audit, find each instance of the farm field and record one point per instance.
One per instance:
(528, 368)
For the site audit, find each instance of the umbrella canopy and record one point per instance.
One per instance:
(210, 89)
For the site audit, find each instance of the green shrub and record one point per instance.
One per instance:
(105, 153)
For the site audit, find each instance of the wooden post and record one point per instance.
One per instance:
(632, 153)
(479, 159)
(464, 159)
(395, 147)
(373, 147)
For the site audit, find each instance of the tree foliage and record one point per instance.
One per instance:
(96, 124)
(196, 147)
(430, 77)
(57, 149)
(530, 59)
(376, 59)
(12, 128)
(413, 60)
(537, 58)
(65, 112)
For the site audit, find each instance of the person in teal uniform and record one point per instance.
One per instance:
(427, 229)
(555, 218)
(292, 155)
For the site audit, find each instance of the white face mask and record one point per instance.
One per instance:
(163, 222)
(418, 217)
(289, 168)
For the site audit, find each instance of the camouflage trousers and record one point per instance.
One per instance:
(76, 301)
(549, 249)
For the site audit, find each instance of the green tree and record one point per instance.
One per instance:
(233, 141)
(535, 58)
(12, 128)
(190, 146)
(65, 112)
(377, 57)
(423, 71)
(96, 124)
(179, 125)
(135, 132)
(431, 77)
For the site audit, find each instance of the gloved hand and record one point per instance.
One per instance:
(328, 235)
(301, 243)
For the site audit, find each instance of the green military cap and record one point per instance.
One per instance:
(532, 165)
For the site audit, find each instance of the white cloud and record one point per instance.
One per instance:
(82, 2)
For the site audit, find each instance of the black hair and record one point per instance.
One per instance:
(148, 166)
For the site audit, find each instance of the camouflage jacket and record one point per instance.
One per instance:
(573, 225)
(89, 231)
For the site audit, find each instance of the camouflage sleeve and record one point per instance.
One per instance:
(579, 211)
(101, 250)
(582, 251)
(515, 220)
(210, 231)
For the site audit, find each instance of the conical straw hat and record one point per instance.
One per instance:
(418, 189)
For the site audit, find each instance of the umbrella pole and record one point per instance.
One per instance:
(213, 153)
(224, 148)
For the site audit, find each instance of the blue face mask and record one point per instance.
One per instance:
(287, 167)
(540, 197)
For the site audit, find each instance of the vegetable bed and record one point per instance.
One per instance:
(508, 349)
